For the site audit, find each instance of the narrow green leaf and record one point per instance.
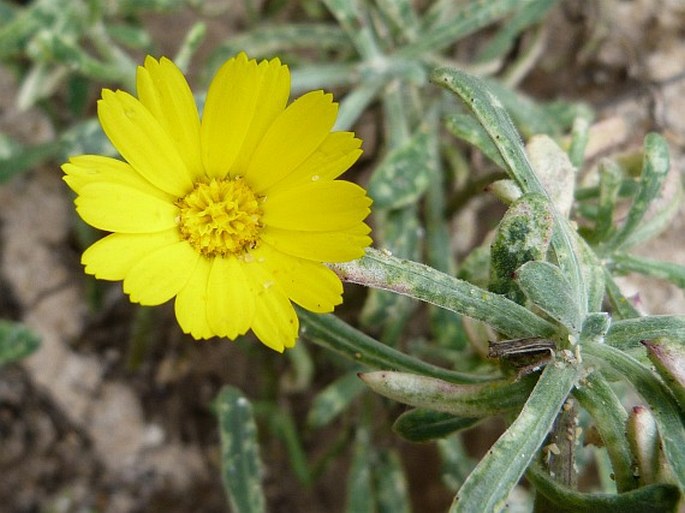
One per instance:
(391, 483)
(241, 467)
(658, 498)
(456, 462)
(323, 76)
(627, 333)
(599, 400)
(269, 40)
(334, 399)
(473, 15)
(487, 487)
(421, 425)
(20, 159)
(284, 428)
(621, 306)
(332, 333)
(529, 115)
(482, 400)
(523, 235)
(624, 263)
(16, 341)
(580, 135)
(402, 14)
(663, 405)
(465, 127)
(655, 167)
(381, 270)
(526, 16)
(545, 285)
(403, 175)
(360, 493)
(610, 179)
(356, 101)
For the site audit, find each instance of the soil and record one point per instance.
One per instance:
(113, 412)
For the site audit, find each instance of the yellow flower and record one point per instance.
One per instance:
(234, 214)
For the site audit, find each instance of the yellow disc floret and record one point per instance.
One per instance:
(220, 217)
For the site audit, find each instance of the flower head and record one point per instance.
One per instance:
(232, 215)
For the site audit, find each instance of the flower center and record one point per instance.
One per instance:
(221, 217)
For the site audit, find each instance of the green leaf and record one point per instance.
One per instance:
(657, 498)
(545, 285)
(599, 400)
(623, 263)
(482, 400)
(526, 16)
(380, 270)
(655, 167)
(627, 333)
(487, 487)
(391, 483)
(16, 159)
(16, 341)
(241, 467)
(421, 425)
(403, 175)
(332, 333)
(489, 111)
(465, 127)
(620, 305)
(334, 399)
(610, 179)
(523, 234)
(663, 405)
(360, 493)
(441, 31)
(402, 14)
(269, 40)
(456, 462)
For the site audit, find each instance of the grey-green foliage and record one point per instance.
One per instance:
(16, 341)
(241, 466)
(563, 286)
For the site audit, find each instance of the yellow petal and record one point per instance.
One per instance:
(311, 285)
(119, 208)
(332, 158)
(142, 141)
(112, 257)
(339, 246)
(293, 136)
(242, 101)
(164, 91)
(159, 276)
(275, 322)
(191, 302)
(230, 298)
(86, 169)
(317, 206)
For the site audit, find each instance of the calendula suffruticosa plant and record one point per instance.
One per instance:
(242, 207)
